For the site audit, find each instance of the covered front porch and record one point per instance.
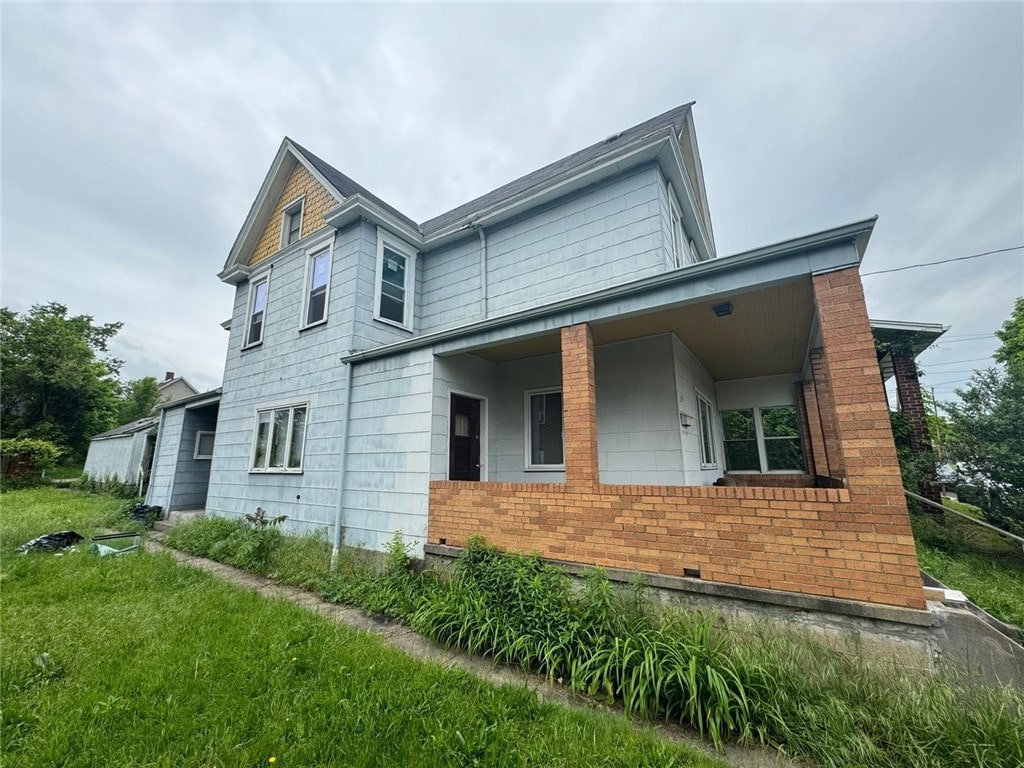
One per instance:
(742, 439)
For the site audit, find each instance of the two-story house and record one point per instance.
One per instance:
(563, 365)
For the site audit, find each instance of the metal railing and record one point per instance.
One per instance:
(974, 520)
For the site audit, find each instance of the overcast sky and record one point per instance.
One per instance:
(135, 138)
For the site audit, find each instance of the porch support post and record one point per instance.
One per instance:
(816, 447)
(579, 407)
(863, 432)
(908, 391)
(826, 414)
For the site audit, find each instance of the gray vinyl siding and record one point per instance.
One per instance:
(468, 375)
(115, 458)
(691, 377)
(637, 425)
(606, 234)
(192, 476)
(387, 470)
(165, 458)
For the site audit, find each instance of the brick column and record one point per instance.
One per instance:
(818, 463)
(863, 432)
(579, 407)
(826, 414)
(908, 391)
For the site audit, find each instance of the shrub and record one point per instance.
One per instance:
(24, 460)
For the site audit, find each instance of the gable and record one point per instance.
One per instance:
(318, 201)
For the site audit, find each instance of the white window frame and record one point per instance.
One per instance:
(268, 470)
(528, 433)
(679, 241)
(199, 437)
(385, 238)
(710, 423)
(317, 249)
(286, 213)
(762, 452)
(254, 283)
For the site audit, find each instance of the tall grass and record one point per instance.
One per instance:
(756, 684)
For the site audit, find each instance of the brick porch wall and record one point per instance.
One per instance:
(853, 543)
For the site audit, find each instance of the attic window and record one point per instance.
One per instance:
(291, 224)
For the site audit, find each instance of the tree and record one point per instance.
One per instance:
(56, 384)
(1012, 335)
(139, 398)
(987, 428)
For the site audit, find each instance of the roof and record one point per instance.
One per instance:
(676, 118)
(139, 425)
(213, 396)
(346, 186)
(914, 337)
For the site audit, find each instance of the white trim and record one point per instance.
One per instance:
(701, 398)
(315, 249)
(388, 240)
(678, 231)
(254, 284)
(762, 451)
(527, 433)
(285, 215)
(483, 433)
(199, 437)
(271, 408)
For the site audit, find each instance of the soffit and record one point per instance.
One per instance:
(765, 335)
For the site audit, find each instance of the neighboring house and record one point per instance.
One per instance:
(123, 454)
(562, 365)
(175, 388)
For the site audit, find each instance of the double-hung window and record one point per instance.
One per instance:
(707, 433)
(317, 287)
(280, 438)
(763, 439)
(291, 223)
(396, 281)
(544, 440)
(258, 291)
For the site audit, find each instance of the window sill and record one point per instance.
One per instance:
(767, 472)
(709, 466)
(311, 326)
(254, 345)
(275, 471)
(546, 468)
(202, 458)
(393, 324)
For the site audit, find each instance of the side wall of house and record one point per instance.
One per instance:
(692, 378)
(110, 459)
(387, 468)
(609, 233)
(192, 476)
(467, 375)
(165, 458)
(508, 441)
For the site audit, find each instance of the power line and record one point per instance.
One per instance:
(955, 362)
(961, 341)
(943, 261)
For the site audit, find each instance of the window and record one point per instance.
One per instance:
(279, 439)
(317, 288)
(544, 429)
(257, 311)
(763, 440)
(396, 268)
(204, 446)
(291, 224)
(707, 433)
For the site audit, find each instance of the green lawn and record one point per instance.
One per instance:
(986, 567)
(136, 661)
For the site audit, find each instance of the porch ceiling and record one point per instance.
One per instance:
(766, 334)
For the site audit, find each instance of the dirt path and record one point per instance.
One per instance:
(419, 647)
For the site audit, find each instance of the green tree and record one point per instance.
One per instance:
(1012, 335)
(139, 398)
(987, 427)
(58, 384)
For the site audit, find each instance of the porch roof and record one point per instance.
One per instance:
(913, 338)
(769, 289)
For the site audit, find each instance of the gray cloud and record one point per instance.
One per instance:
(135, 137)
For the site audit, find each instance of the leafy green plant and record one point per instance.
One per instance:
(23, 461)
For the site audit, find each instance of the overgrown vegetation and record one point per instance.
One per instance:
(135, 661)
(752, 685)
(986, 567)
(111, 486)
(24, 461)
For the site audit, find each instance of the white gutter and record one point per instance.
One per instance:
(483, 273)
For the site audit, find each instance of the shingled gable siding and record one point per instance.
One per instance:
(318, 201)
(829, 542)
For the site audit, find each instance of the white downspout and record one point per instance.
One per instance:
(483, 273)
(339, 511)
